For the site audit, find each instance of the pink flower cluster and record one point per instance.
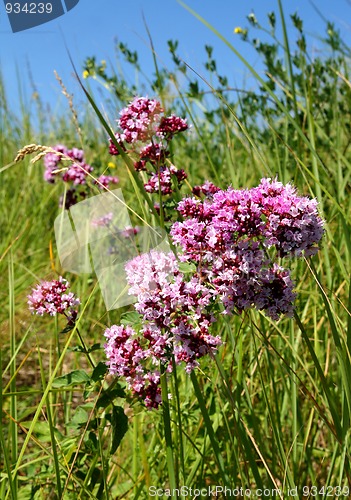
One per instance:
(77, 171)
(139, 120)
(176, 318)
(171, 125)
(52, 297)
(126, 354)
(229, 233)
(162, 180)
(146, 134)
(75, 175)
(207, 189)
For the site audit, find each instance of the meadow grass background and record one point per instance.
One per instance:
(273, 410)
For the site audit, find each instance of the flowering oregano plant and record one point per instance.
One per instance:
(146, 134)
(231, 239)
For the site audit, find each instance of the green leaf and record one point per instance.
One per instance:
(105, 399)
(79, 348)
(42, 429)
(80, 417)
(68, 328)
(99, 372)
(73, 378)
(130, 318)
(186, 267)
(119, 424)
(95, 347)
(91, 442)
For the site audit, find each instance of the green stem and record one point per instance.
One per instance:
(209, 428)
(51, 428)
(179, 417)
(4, 447)
(13, 404)
(168, 432)
(85, 350)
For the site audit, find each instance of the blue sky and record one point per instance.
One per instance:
(91, 27)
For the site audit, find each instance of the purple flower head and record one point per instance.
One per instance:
(229, 232)
(76, 154)
(162, 180)
(122, 351)
(139, 120)
(176, 322)
(271, 213)
(208, 189)
(77, 173)
(125, 356)
(155, 153)
(48, 174)
(171, 125)
(60, 148)
(274, 292)
(51, 162)
(147, 272)
(171, 305)
(293, 224)
(52, 297)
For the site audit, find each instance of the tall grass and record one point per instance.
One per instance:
(272, 411)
